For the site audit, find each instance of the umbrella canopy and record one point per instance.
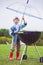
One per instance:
(12, 8)
(31, 13)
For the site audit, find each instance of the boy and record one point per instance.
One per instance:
(15, 39)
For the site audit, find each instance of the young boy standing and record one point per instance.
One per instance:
(15, 39)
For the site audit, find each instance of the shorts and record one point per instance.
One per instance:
(18, 40)
(13, 45)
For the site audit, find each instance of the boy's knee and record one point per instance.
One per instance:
(18, 50)
(18, 43)
(12, 50)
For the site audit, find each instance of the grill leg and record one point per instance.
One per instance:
(41, 58)
(37, 50)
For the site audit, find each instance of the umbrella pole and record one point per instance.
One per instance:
(24, 52)
(25, 10)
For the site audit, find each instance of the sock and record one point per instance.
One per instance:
(11, 54)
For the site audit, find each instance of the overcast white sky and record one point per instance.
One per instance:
(35, 7)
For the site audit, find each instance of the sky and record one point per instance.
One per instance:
(35, 7)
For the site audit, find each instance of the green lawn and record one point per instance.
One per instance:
(33, 57)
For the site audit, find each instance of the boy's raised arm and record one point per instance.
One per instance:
(23, 25)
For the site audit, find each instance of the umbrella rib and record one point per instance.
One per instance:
(17, 11)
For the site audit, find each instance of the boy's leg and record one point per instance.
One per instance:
(18, 51)
(12, 49)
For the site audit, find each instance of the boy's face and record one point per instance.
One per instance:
(16, 21)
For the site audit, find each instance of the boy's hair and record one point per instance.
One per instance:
(16, 18)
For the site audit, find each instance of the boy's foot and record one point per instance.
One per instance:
(18, 58)
(11, 56)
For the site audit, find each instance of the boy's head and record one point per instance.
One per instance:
(16, 20)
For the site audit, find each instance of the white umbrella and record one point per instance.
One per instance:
(30, 12)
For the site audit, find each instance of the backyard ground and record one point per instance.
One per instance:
(33, 57)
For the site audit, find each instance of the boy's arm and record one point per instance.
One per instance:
(23, 25)
(13, 31)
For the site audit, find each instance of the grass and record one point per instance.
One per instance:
(33, 57)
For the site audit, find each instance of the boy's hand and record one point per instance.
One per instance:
(16, 32)
(23, 19)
